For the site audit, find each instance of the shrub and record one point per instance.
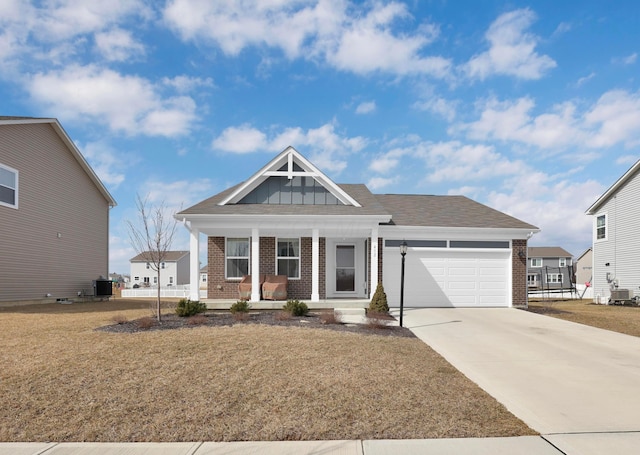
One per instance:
(296, 308)
(377, 320)
(187, 307)
(120, 319)
(241, 306)
(197, 319)
(329, 317)
(379, 301)
(146, 322)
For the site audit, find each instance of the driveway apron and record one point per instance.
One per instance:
(557, 376)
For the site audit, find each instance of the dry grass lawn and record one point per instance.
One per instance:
(617, 318)
(61, 380)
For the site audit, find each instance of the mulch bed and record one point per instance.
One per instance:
(316, 320)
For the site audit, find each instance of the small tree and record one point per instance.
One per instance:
(152, 237)
(379, 301)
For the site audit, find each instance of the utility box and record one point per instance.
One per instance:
(102, 288)
(621, 295)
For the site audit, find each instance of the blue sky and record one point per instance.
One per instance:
(532, 108)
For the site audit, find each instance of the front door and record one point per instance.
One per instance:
(346, 268)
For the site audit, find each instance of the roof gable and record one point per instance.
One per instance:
(613, 189)
(289, 166)
(6, 120)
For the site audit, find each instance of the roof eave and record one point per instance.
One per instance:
(613, 189)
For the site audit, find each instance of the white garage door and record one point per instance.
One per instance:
(448, 278)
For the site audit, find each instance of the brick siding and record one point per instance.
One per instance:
(519, 274)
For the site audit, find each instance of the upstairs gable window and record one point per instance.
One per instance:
(601, 227)
(536, 262)
(8, 187)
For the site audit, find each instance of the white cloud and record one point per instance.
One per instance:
(376, 183)
(241, 139)
(440, 106)
(512, 121)
(366, 107)
(512, 50)
(128, 104)
(118, 45)
(384, 163)
(108, 163)
(615, 118)
(585, 79)
(185, 84)
(628, 60)
(322, 145)
(351, 37)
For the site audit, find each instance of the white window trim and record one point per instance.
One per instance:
(290, 257)
(226, 258)
(558, 275)
(533, 282)
(562, 262)
(606, 227)
(536, 266)
(16, 189)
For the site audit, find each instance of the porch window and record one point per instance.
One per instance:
(8, 187)
(237, 258)
(288, 257)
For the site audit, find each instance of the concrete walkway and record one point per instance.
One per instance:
(574, 384)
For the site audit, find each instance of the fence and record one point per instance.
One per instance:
(180, 291)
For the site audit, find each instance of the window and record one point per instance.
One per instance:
(170, 281)
(562, 262)
(601, 227)
(146, 280)
(536, 262)
(8, 187)
(532, 280)
(155, 280)
(288, 257)
(136, 278)
(148, 266)
(162, 265)
(237, 257)
(554, 278)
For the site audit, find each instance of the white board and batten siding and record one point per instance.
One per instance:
(621, 248)
(449, 277)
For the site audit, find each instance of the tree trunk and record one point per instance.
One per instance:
(158, 301)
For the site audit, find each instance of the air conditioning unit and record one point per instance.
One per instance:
(622, 294)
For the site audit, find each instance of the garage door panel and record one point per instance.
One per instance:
(449, 278)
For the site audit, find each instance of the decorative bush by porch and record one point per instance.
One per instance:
(188, 307)
(379, 301)
(296, 308)
(241, 306)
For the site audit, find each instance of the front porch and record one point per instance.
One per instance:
(225, 304)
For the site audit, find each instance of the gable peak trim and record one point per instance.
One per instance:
(289, 157)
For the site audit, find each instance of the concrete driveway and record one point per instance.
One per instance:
(558, 377)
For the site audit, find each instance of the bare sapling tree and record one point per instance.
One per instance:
(152, 237)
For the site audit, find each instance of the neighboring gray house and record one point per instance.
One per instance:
(54, 214)
(616, 237)
(173, 271)
(549, 268)
(335, 243)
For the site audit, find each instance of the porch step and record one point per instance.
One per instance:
(351, 315)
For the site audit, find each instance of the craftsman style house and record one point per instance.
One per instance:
(339, 241)
(54, 212)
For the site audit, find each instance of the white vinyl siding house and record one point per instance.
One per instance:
(54, 214)
(616, 258)
(173, 271)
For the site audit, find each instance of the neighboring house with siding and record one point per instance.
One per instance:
(174, 270)
(54, 212)
(337, 242)
(616, 236)
(549, 268)
(584, 267)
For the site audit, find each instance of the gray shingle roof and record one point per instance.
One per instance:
(548, 252)
(369, 202)
(171, 256)
(446, 211)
